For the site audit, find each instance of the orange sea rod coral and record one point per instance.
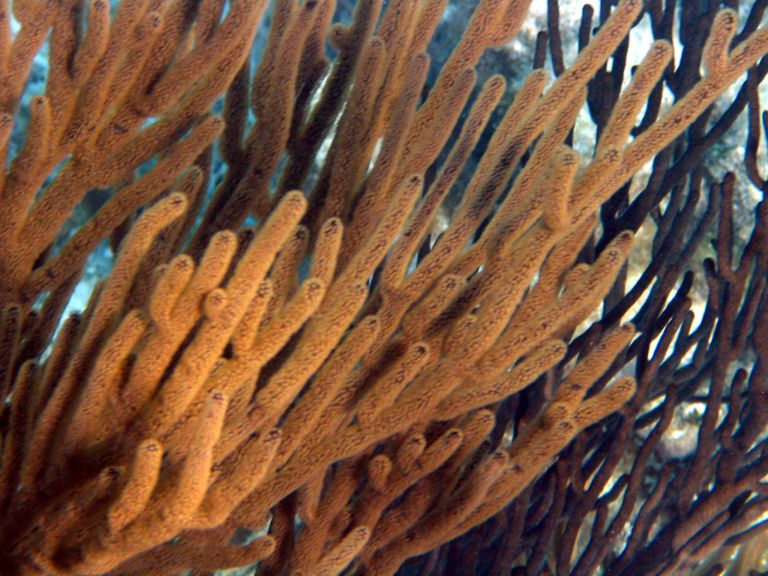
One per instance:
(327, 379)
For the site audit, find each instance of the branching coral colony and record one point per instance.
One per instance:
(336, 382)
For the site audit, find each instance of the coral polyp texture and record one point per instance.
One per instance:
(373, 310)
